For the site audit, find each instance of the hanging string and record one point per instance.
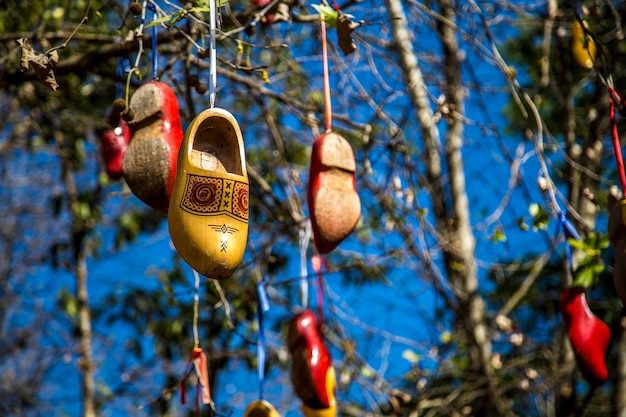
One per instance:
(317, 262)
(212, 53)
(305, 237)
(328, 113)
(613, 95)
(263, 306)
(155, 66)
(197, 359)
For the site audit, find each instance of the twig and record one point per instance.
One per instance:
(526, 284)
(64, 44)
(224, 301)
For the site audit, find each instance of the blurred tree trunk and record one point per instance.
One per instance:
(457, 240)
(87, 366)
(80, 228)
(561, 82)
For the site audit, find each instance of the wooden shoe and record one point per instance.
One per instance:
(617, 235)
(588, 335)
(208, 212)
(334, 205)
(113, 144)
(312, 374)
(156, 133)
(583, 46)
(260, 408)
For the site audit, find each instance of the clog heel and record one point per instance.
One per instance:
(149, 164)
(334, 205)
(208, 212)
(260, 408)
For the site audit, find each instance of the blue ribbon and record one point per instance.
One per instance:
(263, 306)
(154, 43)
(120, 72)
(570, 232)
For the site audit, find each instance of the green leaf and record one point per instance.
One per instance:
(329, 14)
(541, 217)
(577, 244)
(159, 21)
(200, 10)
(498, 236)
(410, 356)
(522, 224)
(367, 372)
(585, 277)
(68, 302)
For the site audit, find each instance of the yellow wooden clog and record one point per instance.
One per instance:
(260, 408)
(583, 46)
(208, 211)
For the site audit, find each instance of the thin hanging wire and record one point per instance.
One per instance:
(212, 53)
(305, 237)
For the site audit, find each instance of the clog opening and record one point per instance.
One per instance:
(217, 145)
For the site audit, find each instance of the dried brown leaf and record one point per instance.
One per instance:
(42, 64)
(344, 33)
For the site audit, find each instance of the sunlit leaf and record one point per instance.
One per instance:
(410, 356)
(329, 15)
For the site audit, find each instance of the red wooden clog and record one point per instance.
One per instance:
(334, 205)
(113, 144)
(156, 133)
(312, 374)
(589, 335)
